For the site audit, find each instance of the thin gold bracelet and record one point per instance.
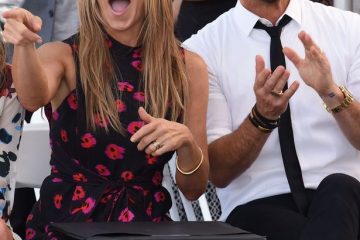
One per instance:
(192, 171)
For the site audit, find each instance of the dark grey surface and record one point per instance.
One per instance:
(148, 230)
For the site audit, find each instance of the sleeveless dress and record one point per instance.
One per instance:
(96, 175)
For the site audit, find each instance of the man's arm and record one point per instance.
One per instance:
(231, 154)
(315, 70)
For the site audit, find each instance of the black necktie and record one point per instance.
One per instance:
(286, 137)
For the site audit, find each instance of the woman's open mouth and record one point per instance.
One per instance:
(119, 6)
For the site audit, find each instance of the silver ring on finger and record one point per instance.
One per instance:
(277, 93)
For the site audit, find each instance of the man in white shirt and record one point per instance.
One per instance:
(245, 156)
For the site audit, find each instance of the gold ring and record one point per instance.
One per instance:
(277, 93)
(157, 145)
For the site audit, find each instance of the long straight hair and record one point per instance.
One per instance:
(163, 69)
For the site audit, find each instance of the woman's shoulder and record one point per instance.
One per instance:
(194, 61)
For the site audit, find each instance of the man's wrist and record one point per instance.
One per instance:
(338, 100)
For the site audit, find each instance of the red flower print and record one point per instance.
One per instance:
(103, 170)
(105, 199)
(159, 197)
(55, 115)
(140, 96)
(57, 180)
(157, 178)
(100, 121)
(54, 169)
(126, 215)
(72, 101)
(88, 205)
(29, 218)
(137, 65)
(79, 177)
(127, 176)
(88, 141)
(57, 201)
(133, 127)
(157, 219)
(145, 192)
(79, 193)
(64, 135)
(137, 53)
(30, 234)
(149, 209)
(120, 106)
(125, 87)
(151, 159)
(114, 152)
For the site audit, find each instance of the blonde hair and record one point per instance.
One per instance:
(163, 70)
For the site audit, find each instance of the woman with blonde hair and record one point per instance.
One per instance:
(11, 120)
(123, 101)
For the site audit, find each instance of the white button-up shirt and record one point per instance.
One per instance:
(229, 46)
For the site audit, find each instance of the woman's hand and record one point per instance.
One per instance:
(159, 136)
(21, 27)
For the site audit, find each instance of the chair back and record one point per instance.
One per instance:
(34, 155)
(184, 210)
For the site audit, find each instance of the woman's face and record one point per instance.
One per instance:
(122, 15)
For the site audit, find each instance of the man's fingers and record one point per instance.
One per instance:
(293, 57)
(275, 76)
(260, 64)
(291, 90)
(261, 78)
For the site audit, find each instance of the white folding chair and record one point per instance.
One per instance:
(34, 155)
(168, 183)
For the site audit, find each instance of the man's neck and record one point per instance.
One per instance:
(271, 10)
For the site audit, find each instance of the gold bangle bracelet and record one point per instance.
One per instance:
(192, 171)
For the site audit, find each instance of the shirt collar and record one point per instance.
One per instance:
(247, 20)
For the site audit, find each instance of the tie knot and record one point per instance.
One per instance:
(274, 31)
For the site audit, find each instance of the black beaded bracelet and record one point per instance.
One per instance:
(258, 125)
(262, 123)
(266, 122)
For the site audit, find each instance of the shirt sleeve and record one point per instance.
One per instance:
(353, 81)
(206, 45)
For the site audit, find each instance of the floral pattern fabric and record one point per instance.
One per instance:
(99, 175)
(11, 122)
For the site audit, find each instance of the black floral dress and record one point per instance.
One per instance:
(97, 175)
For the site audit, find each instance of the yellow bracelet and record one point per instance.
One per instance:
(192, 171)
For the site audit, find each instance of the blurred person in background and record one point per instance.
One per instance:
(11, 123)
(60, 20)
